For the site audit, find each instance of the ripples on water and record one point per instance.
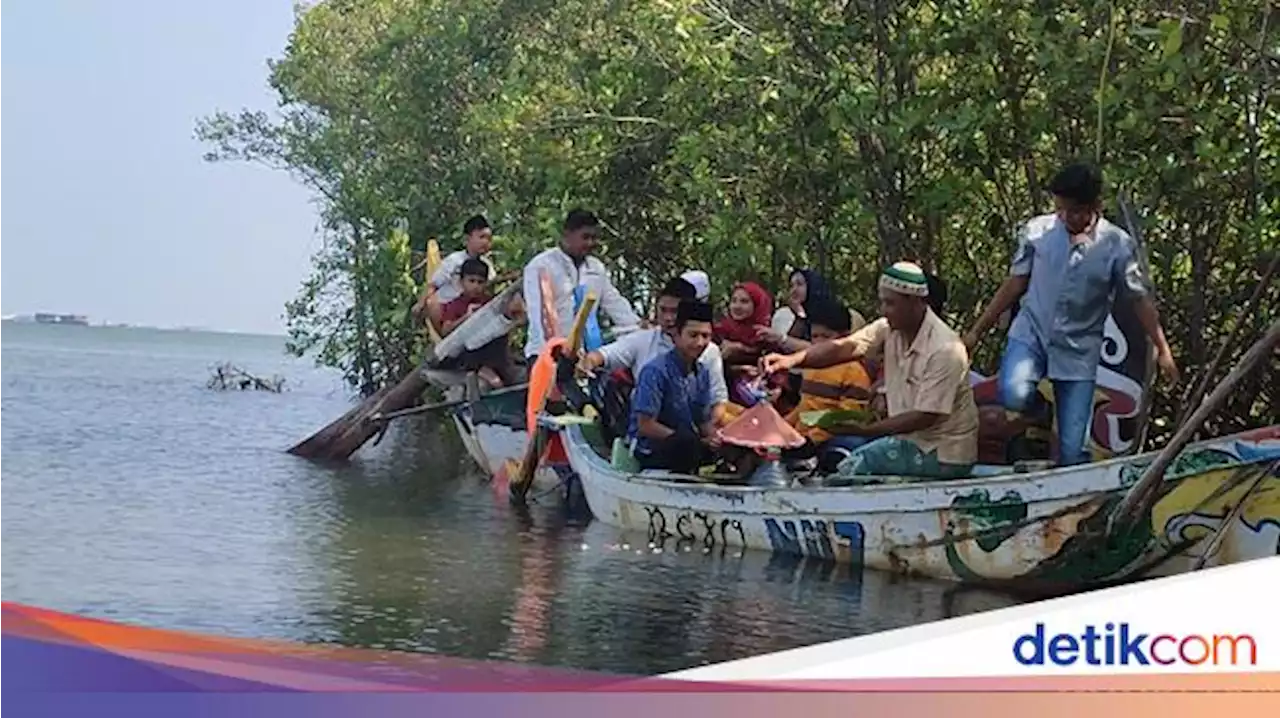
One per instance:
(133, 493)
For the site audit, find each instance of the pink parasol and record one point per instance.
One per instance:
(761, 427)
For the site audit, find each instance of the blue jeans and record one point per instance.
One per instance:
(1021, 370)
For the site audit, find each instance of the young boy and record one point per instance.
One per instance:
(492, 362)
(840, 387)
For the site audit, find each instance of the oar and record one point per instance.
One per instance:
(541, 383)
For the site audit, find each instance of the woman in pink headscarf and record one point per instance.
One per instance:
(742, 344)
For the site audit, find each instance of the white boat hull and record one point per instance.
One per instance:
(1020, 528)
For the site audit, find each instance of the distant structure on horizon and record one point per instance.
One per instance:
(78, 320)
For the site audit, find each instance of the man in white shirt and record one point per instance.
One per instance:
(571, 266)
(445, 284)
(638, 348)
(633, 351)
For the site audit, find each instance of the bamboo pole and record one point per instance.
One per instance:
(439, 405)
(1143, 494)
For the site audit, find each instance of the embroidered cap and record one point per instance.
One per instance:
(905, 278)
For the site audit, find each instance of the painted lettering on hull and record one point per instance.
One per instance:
(829, 540)
(687, 528)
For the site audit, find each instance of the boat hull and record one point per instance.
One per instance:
(1032, 529)
(494, 435)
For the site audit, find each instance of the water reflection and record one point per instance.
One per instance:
(435, 561)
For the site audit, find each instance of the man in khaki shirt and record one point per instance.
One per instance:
(932, 428)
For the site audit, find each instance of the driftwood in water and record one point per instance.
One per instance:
(227, 376)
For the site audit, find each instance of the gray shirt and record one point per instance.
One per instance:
(1071, 291)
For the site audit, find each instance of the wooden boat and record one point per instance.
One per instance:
(1007, 525)
(492, 425)
(493, 430)
(1003, 527)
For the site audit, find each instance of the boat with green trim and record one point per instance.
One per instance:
(1218, 504)
(1014, 522)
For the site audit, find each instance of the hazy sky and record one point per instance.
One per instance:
(108, 208)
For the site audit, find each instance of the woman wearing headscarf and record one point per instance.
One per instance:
(741, 336)
(790, 327)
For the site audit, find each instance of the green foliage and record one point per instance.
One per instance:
(749, 137)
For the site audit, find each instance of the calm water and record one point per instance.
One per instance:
(133, 493)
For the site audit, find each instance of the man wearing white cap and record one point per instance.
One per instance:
(701, 284)
(932, 428)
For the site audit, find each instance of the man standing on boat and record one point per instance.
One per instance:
(1068, 268)
(445, 284)
(635, 350)
(932, 427)
(573, 273)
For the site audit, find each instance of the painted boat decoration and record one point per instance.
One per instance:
(1035, 530)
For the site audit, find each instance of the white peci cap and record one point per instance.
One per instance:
(701, 283)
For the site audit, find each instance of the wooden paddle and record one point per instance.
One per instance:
(433, 263)
(542, 378)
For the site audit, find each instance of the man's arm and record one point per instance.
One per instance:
(837, 351)
(646, 402)
(533, 305)
(1013, 287)
(1149, 316)
(719, 388)
(903, 423)
(650, 428)
(1009, 292)
(620, 352)
(935, 396)
(1133, 283)
(713, 409)
(617, 307)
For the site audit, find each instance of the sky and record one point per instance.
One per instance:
(109, 209)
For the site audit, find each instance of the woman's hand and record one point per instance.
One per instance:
(770, 336)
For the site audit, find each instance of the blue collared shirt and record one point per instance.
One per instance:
(669, 391)
(1071, 291)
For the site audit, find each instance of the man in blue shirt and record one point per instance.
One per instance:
(1068, 269)
(671, 423)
